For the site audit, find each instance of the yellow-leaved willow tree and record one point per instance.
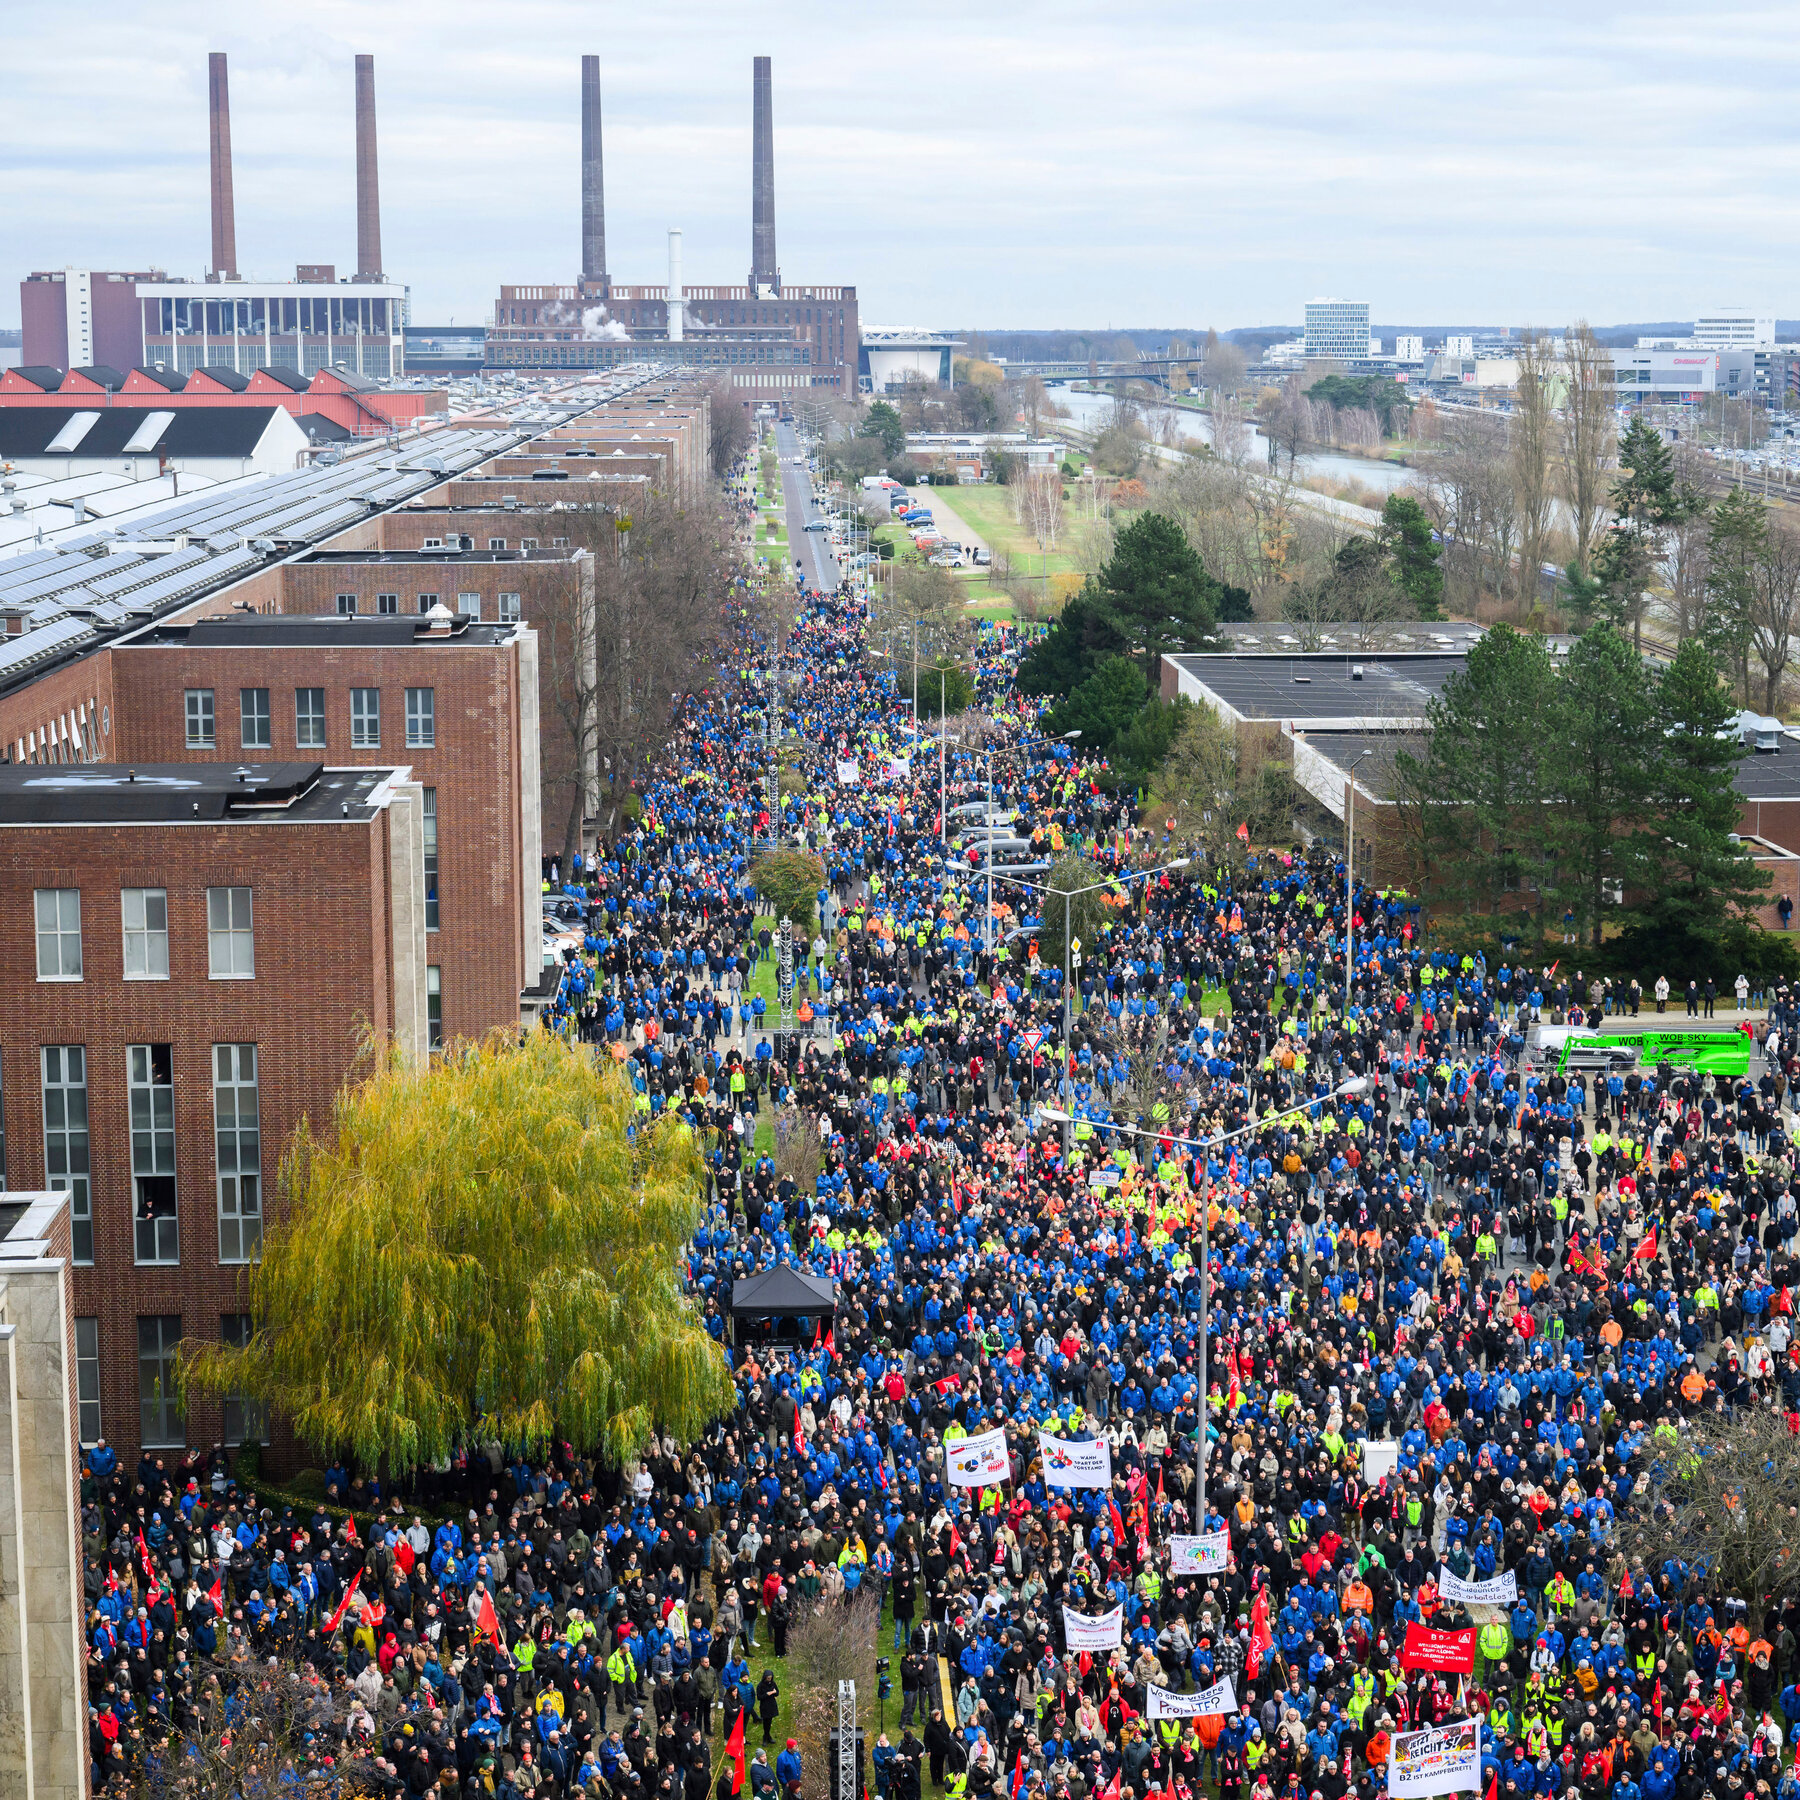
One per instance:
(480, 1244)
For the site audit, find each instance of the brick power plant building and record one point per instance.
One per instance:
(772, 340)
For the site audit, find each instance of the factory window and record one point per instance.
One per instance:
(58, 934)
(387, 603)
(253, 718)
(427, 602)
(66, 1141)
(365, 718)
(496, 543)
(144, 914)
(559, 543)
(432, 544)
(509, 609)
(246, 1420)
(200, 718)
(230, 937)
(237, 1135)
(346, 605)
(159, 1409)
(434, 1008)
(421, 718)
(430, 817)
(469, 605)
(87, 1379)
(150, 1071)
(309, 718)
(528, 543)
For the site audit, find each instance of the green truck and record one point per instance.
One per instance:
(1572, 1049)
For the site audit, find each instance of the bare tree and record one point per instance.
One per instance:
(1682, 557)
(1775, 610)
(1532, 433)
(729, 428)
(1041, 503)
(1469, 494)
(1587, 436)
(1223, 369)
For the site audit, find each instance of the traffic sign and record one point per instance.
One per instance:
(1032, 1039)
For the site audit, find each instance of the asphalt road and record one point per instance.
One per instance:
(811, 550)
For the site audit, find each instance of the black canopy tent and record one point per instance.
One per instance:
(782, 1292)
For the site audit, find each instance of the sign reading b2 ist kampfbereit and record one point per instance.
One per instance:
(1444, 1760)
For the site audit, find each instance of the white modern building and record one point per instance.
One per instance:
(1409, 349)
(891, 357)
(1459, 346)
(1679, 374)
(1338, 328)
(1733, 328)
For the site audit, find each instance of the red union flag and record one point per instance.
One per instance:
(1451, 1651)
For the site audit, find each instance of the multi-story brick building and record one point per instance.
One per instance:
(455, 699)
(200, 947)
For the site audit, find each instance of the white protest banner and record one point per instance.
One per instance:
(1104, 1633)
(1500, 1590)
(899, 768)
(847, 773)
(979, 1461)
(1207, 1703)
(1206, 1554)
(1072, 1463)
(1441, 1761)
(1381, 1456)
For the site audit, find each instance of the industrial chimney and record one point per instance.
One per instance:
(368, 180)
(765, 277)
(677, 303)
(593, 187)
(224, 215)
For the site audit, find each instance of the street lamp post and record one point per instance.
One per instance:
(1357, 1084)
(1069, 896)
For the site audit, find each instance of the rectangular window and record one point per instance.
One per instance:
(230, 948)
(253, 719)
(87, 1379)
(309, 718)
(387, 603)
(427, 602)
(434, 1008)
(346, 606)
(246, 1420)
(58, 934)
(469, 605)
(421, 718)
(509, 609)
(150, 1077)
(496, 543)
(559, 543)
(238, 1142)
(432, 544)
(66, 1140)
(528, 543)
(145, 916)
(200, 734)
(160, 1425)
(365, 718)
(431, 859)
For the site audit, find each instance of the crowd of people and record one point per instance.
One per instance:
(1522, 1282)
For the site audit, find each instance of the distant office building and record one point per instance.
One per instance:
(76, 317)
(892, 357)
(445, 349)
(1337, 328)
(1374, 345)
(1459, 346)
(1673, 376)
(1732, 328)
(1409, 349)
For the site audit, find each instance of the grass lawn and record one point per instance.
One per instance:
(988, 511)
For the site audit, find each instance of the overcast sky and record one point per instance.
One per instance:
(962, 165)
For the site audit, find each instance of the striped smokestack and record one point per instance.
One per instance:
(224, 214)
(368, 180)
(593, 187)
(765, 277)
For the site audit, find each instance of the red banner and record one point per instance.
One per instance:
(1450, 1651)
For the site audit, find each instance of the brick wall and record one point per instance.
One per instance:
(322, 968)
(408, 530)
(475, 767)
(314, 587)
(67, 716)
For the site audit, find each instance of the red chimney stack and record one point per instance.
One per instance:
(368, 184)
(224, 215)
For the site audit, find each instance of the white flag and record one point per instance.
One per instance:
(1104, 1633)
(847, 772)
(979, 1461)
(1075, 1463)
(1207, 1554)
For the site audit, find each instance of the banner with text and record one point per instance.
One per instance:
(979, 1461)
(1075, 1463)
(1453, 1651)
(1445, 1760)
(1206, 1554)
(1207, 1703)
(847, 772)
(1501, 1590)
(1103, 1633)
